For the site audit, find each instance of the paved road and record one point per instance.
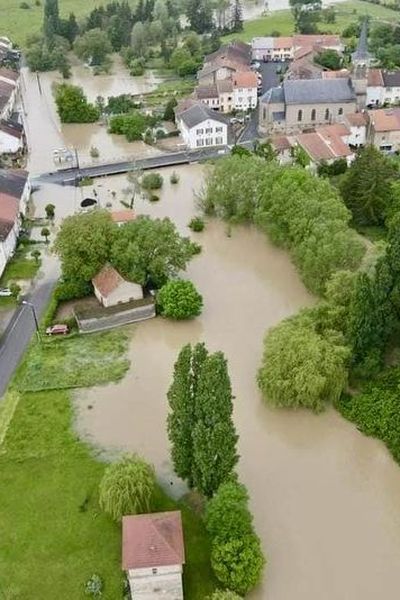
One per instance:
(22, 326)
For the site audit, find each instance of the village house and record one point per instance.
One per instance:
(110, 288)
(153, 555)
(10, 223)
(285, 48)
(201, 126)
(120, 217)
(357, 124)
(384, 129)
(224, 63)
(236, 93)
(9, 85)
(383, 87)
(12, 137)
(300, 104)
(14, 195)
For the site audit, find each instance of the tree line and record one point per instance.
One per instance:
(204, 454)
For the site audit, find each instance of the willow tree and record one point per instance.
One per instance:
(127, 487)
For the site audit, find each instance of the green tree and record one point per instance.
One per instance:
(238, 563)
(199, 14)
(72, 105)
(179, 299)
(83, 244)
(93, 47)
(181, 399)
(15, 290)
(237, 17)
(169, 113)
(214, 435)
(366, 187)
(151, 251)
(306, 14)
(36, 255)
(50, 211)
(227, 515)
(127, 487)
(301, 367)
(51, 20)
(225, 595)
(45, 232)
(139, 39)
(330, 59)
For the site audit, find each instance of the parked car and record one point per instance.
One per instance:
(5, 292)
(58, 329)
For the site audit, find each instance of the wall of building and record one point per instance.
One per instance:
(335, 113)
(7, 247)
(389, 140)
(245, 98)
(9, 144)
(208, 133)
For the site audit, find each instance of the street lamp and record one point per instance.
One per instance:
(31, 306)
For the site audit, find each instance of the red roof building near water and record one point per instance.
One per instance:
(123, 216)
(152, 540)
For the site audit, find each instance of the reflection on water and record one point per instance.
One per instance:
(325, 498)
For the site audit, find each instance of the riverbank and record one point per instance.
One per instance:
(282, 21)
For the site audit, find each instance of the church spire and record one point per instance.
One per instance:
(361, 57)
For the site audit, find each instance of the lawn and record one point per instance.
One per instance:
(21, 266)
(54, 536)
(282, 21)
(76, 361)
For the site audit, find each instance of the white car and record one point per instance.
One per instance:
(5, 292)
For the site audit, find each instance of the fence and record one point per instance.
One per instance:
(106, 318)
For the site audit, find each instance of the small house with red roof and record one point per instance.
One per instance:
(153, 555)
(110, 288)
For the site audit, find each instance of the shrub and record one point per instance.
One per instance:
(238, 563)
(127, 487)
(152, 181)
(50, 312)
(94, 152)
(36, 254)
(196, 224)
(72, 289)
(153, 197)
(94, 586)
(24, 5)
(227, 514)
(174, 178)
(45, 232)
(50, 210)
(179, 299)
(136, 67)
(15, 290)
(225, 595)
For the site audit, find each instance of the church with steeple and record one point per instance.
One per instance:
(361, 60)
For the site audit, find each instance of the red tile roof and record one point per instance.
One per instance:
(9, 207)
(335, 74)
(245, 79)
(357, 119)
(282, 42)
(107, 280)
(385, 119)
(375, 78)
(280, 143)
(323, 145)
(123, 216)
(300, 41)
(152, 540)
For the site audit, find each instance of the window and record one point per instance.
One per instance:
(199, 131)
(154, 571)
(240, 90)
(209, 130)
(340, 111)
(249, 90)
(240, 99)
(208, 141)
(313, 114)
(199, 143)
(264, 113)
(219, 141)
(218, 130)
(327, 114)
(300, 115)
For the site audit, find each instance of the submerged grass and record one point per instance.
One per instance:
(77, 361)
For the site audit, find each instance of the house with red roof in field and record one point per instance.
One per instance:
(110, 288)
(153, 555)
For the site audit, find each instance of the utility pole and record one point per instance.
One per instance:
(31, 306)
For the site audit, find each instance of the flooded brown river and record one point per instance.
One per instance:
(325, 498)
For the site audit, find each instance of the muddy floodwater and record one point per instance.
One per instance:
(45, 133)
(325, 498)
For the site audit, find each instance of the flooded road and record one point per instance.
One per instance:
(45, 133)
(326, 499)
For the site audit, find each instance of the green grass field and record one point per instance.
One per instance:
(54, 536)
(282, 21)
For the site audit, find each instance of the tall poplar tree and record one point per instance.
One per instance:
(182, 397)
(237, 16)
(214, 435)
(51, 21)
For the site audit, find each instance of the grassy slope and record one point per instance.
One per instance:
(282, 21)
(49, 515)
(17, 23)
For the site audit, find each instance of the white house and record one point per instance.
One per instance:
(245, 90)
(12, 137)
(357, 125)
(9, 85)
(201, 127)
(383, 87)
(284, 48)
(9, 228)
(111, 289)
(153, 555)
